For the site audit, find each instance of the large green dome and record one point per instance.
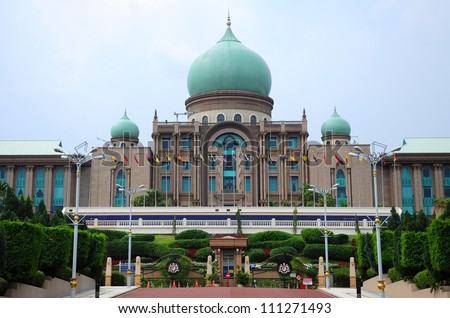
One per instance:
(229, 65)
(125, 128)
(336, 125)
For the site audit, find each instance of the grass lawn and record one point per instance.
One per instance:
(164, 239)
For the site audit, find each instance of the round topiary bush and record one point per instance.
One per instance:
(118, 279)
(203, 253)
(423, 279)
(394, 275)
(3, 286)
(38, 279)
(256, 255)
(192, 234)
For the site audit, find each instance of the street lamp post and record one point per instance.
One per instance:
(374, 158)
(131, 192)
(324, 192)
(78, 159)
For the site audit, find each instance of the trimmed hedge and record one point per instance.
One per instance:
(387, 247)
(439, 245)
(192, 234)
(111, 234)
(341, 277)
(191, 243)
(335, 252)
(313, 236)
(281, 253)
(293, 241)
(23, 250)
(413, 247)
(3, 286)
(143, 237)
(56, 249)
(260, 237)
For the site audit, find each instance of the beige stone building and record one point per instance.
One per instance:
(229, 152)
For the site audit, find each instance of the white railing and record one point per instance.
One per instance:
(228, 226)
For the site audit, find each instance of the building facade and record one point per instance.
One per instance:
(229, 152)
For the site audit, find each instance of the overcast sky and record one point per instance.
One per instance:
(68, 69)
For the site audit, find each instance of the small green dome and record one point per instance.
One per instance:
(336, 125)
(125, 128)
(229, 65)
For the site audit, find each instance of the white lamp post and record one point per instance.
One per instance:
(324, 192)
(131, 192)
(374, 158)
(78, 159)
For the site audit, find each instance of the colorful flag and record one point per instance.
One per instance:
(224, 159)
(157, 159)
(103, 160)
(179, 157)
(395, 157)
(114, 158)
(125, 157)
(201, 157)
(136, 159)
(168, 157)
(258, 156)
(246, 157)
(292, 158)
(148, 158)
(339, 160)
(346, 158)
(305, 158)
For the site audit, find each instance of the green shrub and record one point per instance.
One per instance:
(64, 273)
(371, 273)
(56, 249)
(412, 249)
(423, 279)
(2, 254)
(3, 286)
(439, 245)
(256, 255)
(118, 279)
(394, 275)
(312, 235)
(387, 248)
(281, 253)
(192, 234)
(111, 234)
(182, 275)
(243, 278)
(143, 237)
(203, 253)
(335, 252)
(267, 236)
(23, 250)
(338, 239)
(191, 243)
(293, 241)
(38, 279)
(341, 277)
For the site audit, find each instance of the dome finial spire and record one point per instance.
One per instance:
(228, 19)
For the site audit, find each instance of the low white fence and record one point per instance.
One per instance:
(228, 226)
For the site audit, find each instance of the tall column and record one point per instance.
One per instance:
(68, 193)
(29, 182)
(349, 187)
(10, 175)
(48, 194)
(417, 187)
(438, 181)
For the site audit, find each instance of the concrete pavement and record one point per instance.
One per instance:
(116, 291)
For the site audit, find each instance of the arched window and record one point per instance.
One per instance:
(120, 199)
(39, 186)
(407, 194)
(220, 118)
(253, 120)
(238, 118)
(58, 190)
(341, 190)
(21, 180)
(337, 142)
(205, 119)
(427, 190)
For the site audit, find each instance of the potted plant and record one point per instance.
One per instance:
(243, 279)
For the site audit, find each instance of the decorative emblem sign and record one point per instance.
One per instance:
(173, 267)
(284, 268)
